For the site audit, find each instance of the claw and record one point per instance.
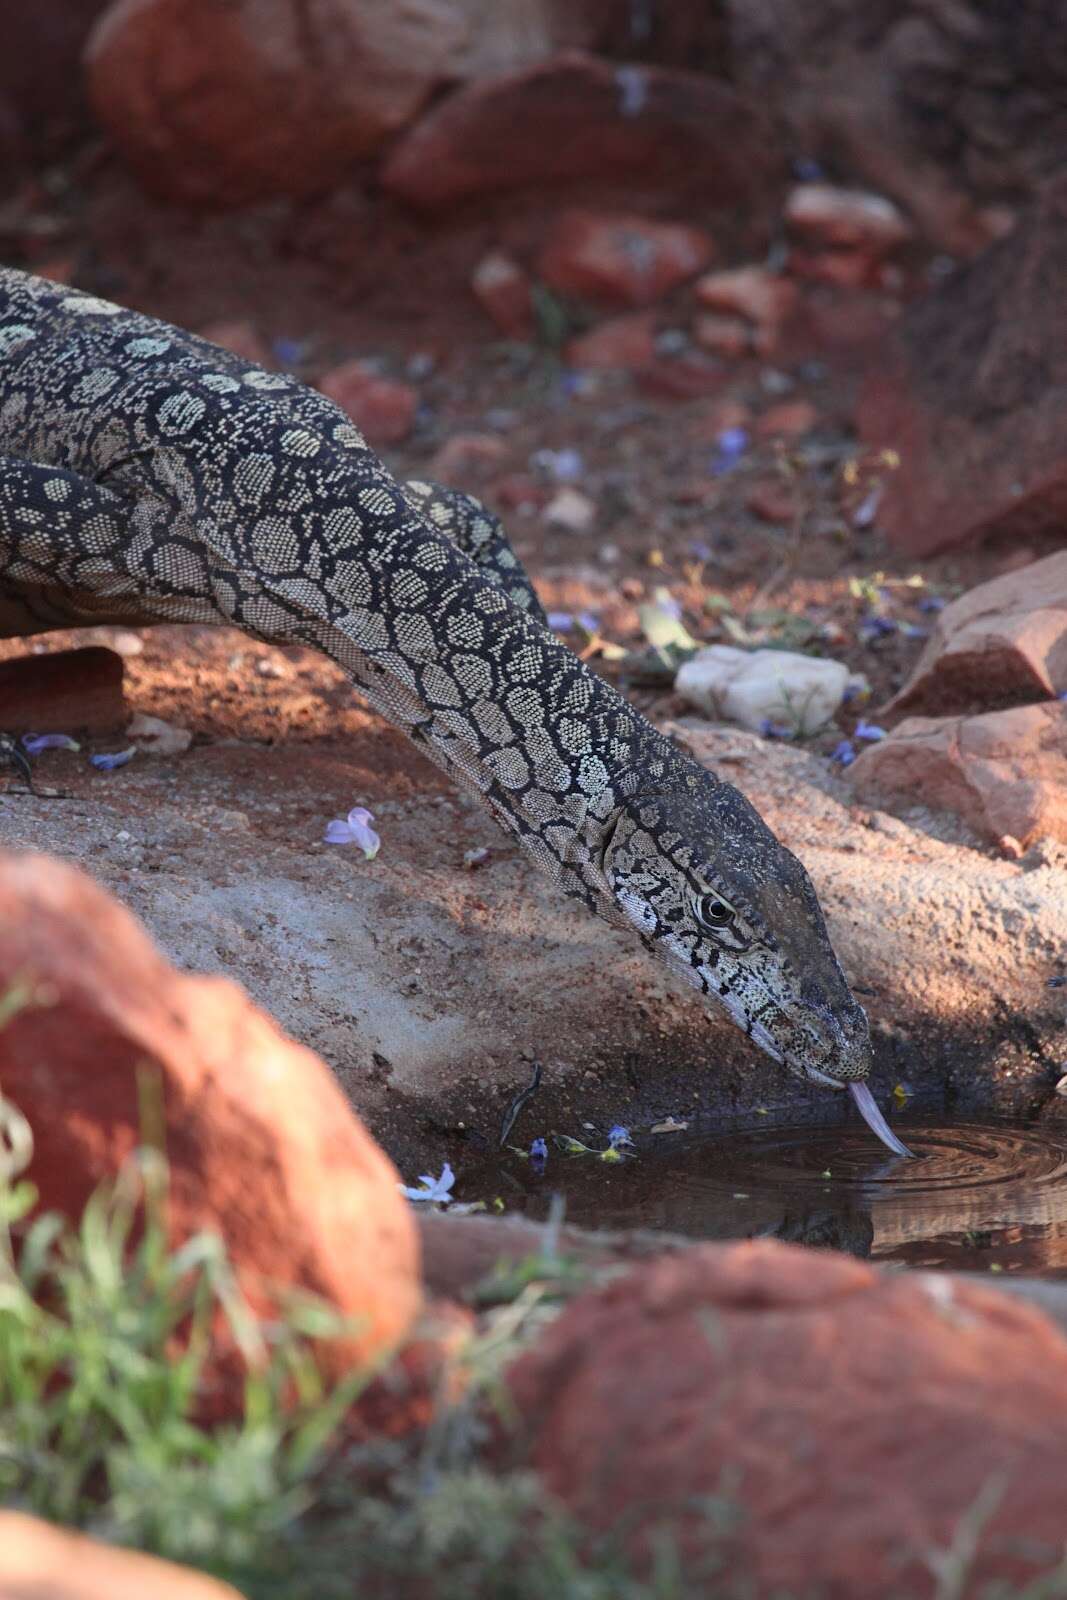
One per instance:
(12, 752)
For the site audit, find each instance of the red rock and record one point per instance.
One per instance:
(823, 216)
(1001, 644)
(621, 260)
(1004, 773)
(762, 298)
(262, 1145)
(42, 1562)
(576, 117)
(622, 344)
(789, 419)
(773, 502)
(240, 339)
(467, 458)
(63, 691)
(504, 291)
(728, 337)
(518, 491)
(854, 1419)
(686, 377)
(970, 393)
(217, 105)
(383, 409)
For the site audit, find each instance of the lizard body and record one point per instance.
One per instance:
(148, 476)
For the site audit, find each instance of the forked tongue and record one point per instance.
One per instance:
(868, 1110)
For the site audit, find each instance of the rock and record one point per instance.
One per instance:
(217, 105)
(620, 344)
(504, 291)
(691, 375)
(970, 393)
(62, 691)
(1004, 773)
(157, 737)
(790, 691)
(621, 260)
(383, 409)
(773, 501)
(854, 1419)
(789, 419)
(467, 458)
(823, 217)
(240, 338)
(41, 1562)
(570, 510)
(729, 337)
(1001, 644)
(575, 118)
(304, 1200)
(42, 103)
(762, 298)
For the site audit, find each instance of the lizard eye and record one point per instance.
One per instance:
(713, 911)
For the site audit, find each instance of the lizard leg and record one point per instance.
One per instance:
(478, 533)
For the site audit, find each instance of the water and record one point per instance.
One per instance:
(979, 1195)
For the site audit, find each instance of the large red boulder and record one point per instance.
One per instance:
(1004, 773)
(262, 1145)
(217, 104)
(971, 393)
(851, 1418)
(576, 118)
(1001, 644)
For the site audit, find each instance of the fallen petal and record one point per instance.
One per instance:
(359, 820)
(108, 763)
(34, 743)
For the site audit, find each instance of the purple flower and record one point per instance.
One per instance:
(560, 621)
(618, 1135)
(108, 763)
(844, 754)
(538, 1155)
(1062, 695)
(355, 829)
(700, 551)
(34, 743)
(867, 510)
(911, 630)
(932, 602)
(774, 730)
(868, 730)
(732, 444)
(437, 1190)
(587, 621)
(876, 627)
(290, 352)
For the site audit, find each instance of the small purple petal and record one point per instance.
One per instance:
(844, 754)
(867, 510)
(108, 763)
(288, 351)
(670, 607)
(911, 630)
(774, 730)
(732, 441)
(34, 743)
(875, 627)
(618, 1135)
(700, 551)
(586, 620)
(932, 602)
(337, 832)
(1062, 696)
(355, 829)
(868, 730)
(560, 621)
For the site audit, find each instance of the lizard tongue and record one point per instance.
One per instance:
(868, 1110)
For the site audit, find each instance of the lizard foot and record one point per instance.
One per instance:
(12, 754)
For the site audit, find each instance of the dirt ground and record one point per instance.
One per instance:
(432, 988)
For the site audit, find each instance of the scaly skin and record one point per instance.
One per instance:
(148, 476)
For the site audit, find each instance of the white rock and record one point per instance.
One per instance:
(158, 737)
(752, 687)
(570, 509)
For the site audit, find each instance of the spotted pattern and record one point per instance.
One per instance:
(146, 475)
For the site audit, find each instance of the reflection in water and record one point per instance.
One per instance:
(979, 1194)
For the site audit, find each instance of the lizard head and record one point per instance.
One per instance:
(705, 882)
